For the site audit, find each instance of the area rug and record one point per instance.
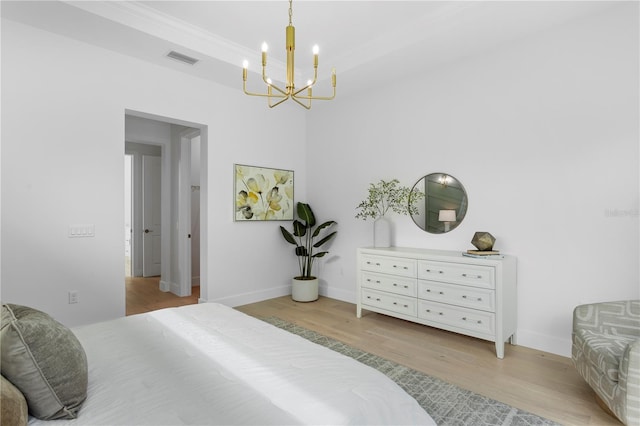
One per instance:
(447, 404)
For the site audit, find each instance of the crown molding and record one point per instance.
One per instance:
(198, 41)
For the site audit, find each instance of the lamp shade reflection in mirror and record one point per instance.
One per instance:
(440, 203)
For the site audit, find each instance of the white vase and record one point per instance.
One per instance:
(382, 232)
(304, 290)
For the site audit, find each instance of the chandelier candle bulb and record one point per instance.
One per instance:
(264, 54)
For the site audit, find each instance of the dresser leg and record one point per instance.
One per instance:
(513, 340)
(500, 349)
(359, 311)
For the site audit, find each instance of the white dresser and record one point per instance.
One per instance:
(443, 289)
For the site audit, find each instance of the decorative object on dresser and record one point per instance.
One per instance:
(442, 289)
(305, 286)
(444, 204)
(483, 241)
(382, 197)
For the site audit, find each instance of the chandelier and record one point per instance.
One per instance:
(274, 94)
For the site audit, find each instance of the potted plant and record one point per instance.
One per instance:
(382, 197)
(304, 236)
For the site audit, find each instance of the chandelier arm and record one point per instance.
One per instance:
(265, 79)
(317, 98)
(264, 95)
(284, 98)
(315, 78)
(273, 86)
(300, 103)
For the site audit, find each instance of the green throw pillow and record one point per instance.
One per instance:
(44, 360)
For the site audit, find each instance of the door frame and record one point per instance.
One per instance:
(184, 212)
(166, 271)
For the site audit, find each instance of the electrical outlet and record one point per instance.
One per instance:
(73, 297)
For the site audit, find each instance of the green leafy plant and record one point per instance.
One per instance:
(388, 195)
(305, 233)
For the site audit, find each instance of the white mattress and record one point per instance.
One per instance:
(210, 364)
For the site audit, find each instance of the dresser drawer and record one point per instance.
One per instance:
(453, 294)
(389, 265)
(390, 283)
(390, 302)
(474, 275)
(468, 319)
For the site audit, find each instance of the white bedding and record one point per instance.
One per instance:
(210, 364)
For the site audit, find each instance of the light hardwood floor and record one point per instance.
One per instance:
(535, 381)
(144, 295)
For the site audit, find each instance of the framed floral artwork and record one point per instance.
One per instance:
(262, 193)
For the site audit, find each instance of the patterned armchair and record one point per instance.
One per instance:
(606, 353)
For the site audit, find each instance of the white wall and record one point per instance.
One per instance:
(63, 109)
(543, 134)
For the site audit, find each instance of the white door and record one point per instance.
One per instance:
(151, 214)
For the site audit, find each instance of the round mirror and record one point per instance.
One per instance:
(438, 203)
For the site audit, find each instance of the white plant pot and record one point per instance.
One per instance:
(304, 290)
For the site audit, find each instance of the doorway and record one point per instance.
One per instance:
(177, 151)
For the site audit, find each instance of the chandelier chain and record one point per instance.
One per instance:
(290, 11)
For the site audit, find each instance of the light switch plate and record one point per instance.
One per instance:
(81, 231)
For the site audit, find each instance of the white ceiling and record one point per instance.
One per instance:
(368, 42)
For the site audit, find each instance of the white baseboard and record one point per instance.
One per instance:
(543, 342)
(165, 286)
(253, 297)
(271, 293)
(343, 295)
(195, 281)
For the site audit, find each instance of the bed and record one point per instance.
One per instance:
(210, 364)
